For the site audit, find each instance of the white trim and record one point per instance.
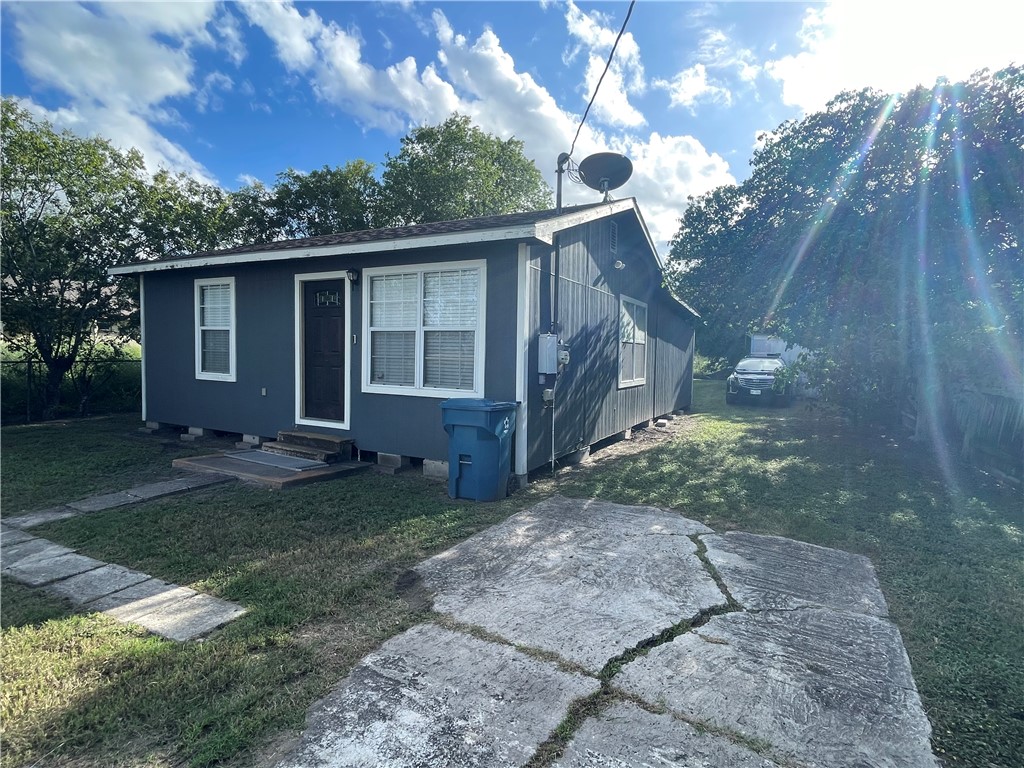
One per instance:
(524, 317)
(232, 373)
(543, 230)
(142, 338)
(626, 383)
(480, 352)
(311, 277)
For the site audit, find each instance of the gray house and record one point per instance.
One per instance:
(364, 334)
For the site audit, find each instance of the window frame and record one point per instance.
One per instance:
(232, 373)
(641, 380)
(417, 389)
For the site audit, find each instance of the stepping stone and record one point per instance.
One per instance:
(92, 585)
(104, 502)
(586, 580)
(433, 697)
(35, 571)
(33, 519)
(171, 611)
(11, 536)
(146, 597)
(625, 735)
(156, 490)
(773, 573)
(34, 549)
(190, 618)
(177, 485)
(828, 688)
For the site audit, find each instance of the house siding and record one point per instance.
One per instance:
(589, 403)
(265, 339)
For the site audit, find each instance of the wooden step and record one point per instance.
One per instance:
(328, 443)
(308, 452)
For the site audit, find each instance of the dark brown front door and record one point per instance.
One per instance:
(324, 350)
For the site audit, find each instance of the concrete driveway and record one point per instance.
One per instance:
(652, 640)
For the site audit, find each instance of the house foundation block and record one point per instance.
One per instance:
(195, 433)
(393, 463)
(249, 441)
(435, 470)
(151, 427)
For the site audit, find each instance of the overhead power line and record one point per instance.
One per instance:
(600, 79)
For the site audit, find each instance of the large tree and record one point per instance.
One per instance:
(70, 209)
(885, 233)
(455, 170)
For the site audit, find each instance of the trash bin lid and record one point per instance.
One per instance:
(476, 404)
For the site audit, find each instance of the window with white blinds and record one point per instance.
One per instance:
(632, 342)
(425, 326)
(215, 329)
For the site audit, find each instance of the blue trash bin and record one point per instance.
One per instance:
(479, 447)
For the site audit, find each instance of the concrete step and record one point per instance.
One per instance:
(326, 443)
(307, 452)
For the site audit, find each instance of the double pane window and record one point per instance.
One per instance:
(425, 327)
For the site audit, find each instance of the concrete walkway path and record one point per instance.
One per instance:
(582, 633)
(168, 610)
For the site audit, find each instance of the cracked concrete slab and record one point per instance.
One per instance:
(156, 490)
(773, 573)
(586, 580)
(830, 688)
(103, 502)
(433, 697)
(624, 736)
(97, 583)
(35, 571)
(32, 519)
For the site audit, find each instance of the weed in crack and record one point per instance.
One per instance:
(702, 555)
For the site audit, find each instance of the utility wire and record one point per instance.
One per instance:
(600, 79)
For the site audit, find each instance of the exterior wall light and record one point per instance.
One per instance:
(353, 275)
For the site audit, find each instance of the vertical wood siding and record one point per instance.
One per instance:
(589, 404)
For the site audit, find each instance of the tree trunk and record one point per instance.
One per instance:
(56, 370)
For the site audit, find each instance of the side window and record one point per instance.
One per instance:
(632, 342)
(215, 329)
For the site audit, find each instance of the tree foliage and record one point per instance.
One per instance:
(70, 209)
(454, 171)
(885, 233)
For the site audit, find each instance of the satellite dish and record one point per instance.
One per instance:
(605, 171)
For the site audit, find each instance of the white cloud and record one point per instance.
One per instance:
(479, 78)
(894, 47)
(691, 86)
(292, 33)
(133, 130)
(207, 97)
(592, 33)
(117, 73)
(228, 30)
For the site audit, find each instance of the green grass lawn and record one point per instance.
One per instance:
(316, 567)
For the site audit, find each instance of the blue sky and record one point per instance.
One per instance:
(232, 92)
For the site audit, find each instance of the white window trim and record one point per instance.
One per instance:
(634, 382)
(300, 369)
(232, 331)
(418, 390)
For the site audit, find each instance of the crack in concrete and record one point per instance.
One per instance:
(702, 555)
